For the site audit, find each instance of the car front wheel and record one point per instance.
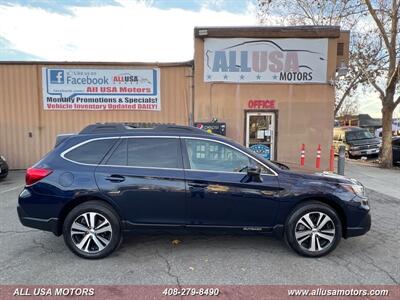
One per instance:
(313, 229)
(92, 230)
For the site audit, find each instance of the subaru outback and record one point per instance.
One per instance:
(114, 178)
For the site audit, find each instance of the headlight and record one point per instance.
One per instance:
(2, 157)
(354, 188)
(354, 148)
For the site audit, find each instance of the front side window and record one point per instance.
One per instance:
(91, 152)
(212, 156)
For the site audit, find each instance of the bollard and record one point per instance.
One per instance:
(332, 159)
(302, 154)
(318, 159)
(341, 159)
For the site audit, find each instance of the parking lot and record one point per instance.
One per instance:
(29, 256)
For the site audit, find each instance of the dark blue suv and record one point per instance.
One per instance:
(113, 178)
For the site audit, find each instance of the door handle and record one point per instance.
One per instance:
(197, 184)
(115, 178)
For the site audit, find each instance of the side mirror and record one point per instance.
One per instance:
(254, 173)
(253, 170)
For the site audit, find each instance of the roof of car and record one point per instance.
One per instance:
(128, 128)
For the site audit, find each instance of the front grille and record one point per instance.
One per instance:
(366, 147)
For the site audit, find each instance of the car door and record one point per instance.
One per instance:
(396, 151)
(218, 194)
(145, 177)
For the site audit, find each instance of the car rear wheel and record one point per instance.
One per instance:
(313, 229)
(92, 230)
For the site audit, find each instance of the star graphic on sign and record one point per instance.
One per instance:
(208, 76)
(242, 76)
(258, 76)
(225, 76)
(275, 77)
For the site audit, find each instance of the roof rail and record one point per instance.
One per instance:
(127, 127)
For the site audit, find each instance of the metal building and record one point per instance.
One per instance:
(272, 88)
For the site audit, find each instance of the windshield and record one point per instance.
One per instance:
(358, 135)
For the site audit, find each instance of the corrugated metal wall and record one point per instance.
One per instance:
(27, 131)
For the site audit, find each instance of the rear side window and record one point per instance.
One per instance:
(147, 152)
(120, 155)
(91, 152)
(154, 152)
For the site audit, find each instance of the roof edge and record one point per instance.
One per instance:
(268, 31)
(188, 63)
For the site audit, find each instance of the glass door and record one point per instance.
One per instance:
(260, 133)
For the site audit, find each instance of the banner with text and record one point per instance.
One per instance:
(101, 89)
(284, 60)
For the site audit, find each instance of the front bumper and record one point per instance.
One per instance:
(3, 169)
(364, 152)
(363, 227)
(43, 224)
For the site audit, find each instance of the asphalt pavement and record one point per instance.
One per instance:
(29, 256)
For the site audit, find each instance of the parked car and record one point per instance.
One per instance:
(3, 167)
(357, 141)
(114, 178)
(396, 150)
(395, 129)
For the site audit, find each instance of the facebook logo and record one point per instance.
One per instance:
(57, 76)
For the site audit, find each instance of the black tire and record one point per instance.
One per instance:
(102, 211)
(313, 208)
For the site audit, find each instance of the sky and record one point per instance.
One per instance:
(120, 30)
(112, 30)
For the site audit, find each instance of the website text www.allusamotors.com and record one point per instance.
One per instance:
(338, 292)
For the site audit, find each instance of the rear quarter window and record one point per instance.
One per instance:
(91, 152)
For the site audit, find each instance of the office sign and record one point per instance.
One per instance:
(101, 89)
(284, 60)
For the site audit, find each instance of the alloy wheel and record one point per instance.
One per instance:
(315, 231)
(91, 232)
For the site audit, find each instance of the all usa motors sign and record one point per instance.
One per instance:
(101, 89)
(281, 60)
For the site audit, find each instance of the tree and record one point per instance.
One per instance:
(374, 47)
(386, 83)
(344, 13)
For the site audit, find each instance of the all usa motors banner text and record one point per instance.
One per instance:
(101, 89)
(283, 60)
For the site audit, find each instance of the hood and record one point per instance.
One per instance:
(337, 178)
(324, 176)
(372, 141)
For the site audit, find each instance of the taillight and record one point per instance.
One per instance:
(35, 174)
